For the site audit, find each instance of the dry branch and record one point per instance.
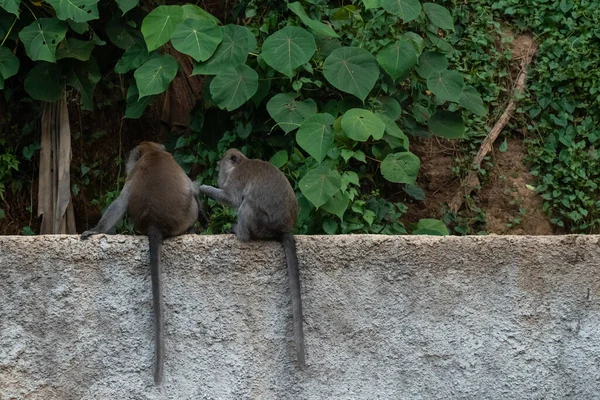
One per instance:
(471, 181)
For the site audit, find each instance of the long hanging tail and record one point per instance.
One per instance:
(155, 238)
(289, 246)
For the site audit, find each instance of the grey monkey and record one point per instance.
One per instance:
(162, 201)
(266, 209)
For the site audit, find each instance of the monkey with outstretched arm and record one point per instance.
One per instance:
(266, 209)
(161, 199)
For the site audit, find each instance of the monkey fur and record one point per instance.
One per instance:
(162, 201)
(266, 209)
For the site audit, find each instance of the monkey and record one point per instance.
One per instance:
(163, 202)
(267, 208)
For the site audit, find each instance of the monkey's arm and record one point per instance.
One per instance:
(113, 214)
(220, 195)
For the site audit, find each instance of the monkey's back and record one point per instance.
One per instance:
(162, 195)
(269, 191)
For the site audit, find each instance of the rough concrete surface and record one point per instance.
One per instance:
(402, 317)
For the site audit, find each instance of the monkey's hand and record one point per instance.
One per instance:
(87, 234)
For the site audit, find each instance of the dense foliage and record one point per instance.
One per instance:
(330, 92)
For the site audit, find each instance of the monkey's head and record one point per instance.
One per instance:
(231, 159)
(139, 151)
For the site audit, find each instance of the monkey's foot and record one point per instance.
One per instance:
(87, 234)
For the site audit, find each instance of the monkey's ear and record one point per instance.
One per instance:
(163, 147)
(234, 158)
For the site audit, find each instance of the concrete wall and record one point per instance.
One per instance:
(385, 318)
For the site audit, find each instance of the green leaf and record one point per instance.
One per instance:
(83, 76)
(446, 85)
(388, 106)
(135, 105)
(330, 226)
(371, 4)
(75, 48)
(234, 86)
(159, 25)
(416, 40)
(43, 82)
(317, 27)
(352, 70)
(9, 64)
(337, 204)
(431, 62)
(197, 38)
(439, 16)
(11, 6)
(231, 52)
(288, 48)
(320, 184)
(315, 135)
(155, 75)
(405, 9)
(471, 100)
(446, 124)
(398, 59)
(289, 113)
(41, 37)
(359, 124)
(503, 146)
(428, 226)
(79, 27)
(280, 158)
(415, 192)
(133, 58)
(194, 12)
(401, 167)
(77, 10)
(123, 35)
(126, 5)
(392, 129)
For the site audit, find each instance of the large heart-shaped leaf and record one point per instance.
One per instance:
(401, 167)
(280, 158)
(289, 113)
(77, 10)
(360, 124)
(439, 16)
(317, 27)
(446, 85)
(337, 204)
(122, 34)
(9, 64)
(135, 105)
(234, 86)
(197, 38)
(75, 48)
(126, 5)
(405, 9)
(41, 37)
(155, 75)
(319, 184)
(231, 52)
(371, 4)
(288, 48)
(352, 70)
(397, 59)
(315, 135)
(43, 82)
(11, 6)
(194, 12)
(431, 62)
(471, 100)
(133, 57)
(159, 25)
(446, 124)
(83, 76)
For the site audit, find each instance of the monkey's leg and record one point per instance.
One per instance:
(219, 195)
(113, 214)
(242, 227)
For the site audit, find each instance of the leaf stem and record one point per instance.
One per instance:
(8, 33)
